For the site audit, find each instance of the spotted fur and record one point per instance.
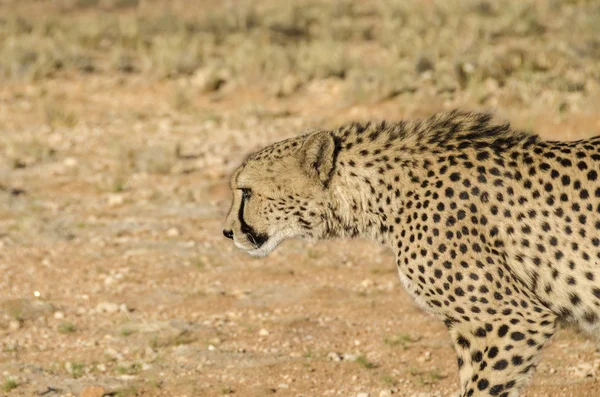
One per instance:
(495, 231)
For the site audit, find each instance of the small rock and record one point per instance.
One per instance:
(14, 325)
(211, 348)
(110, 352)
(59, 315)
(288, 86)
(583, 370)
(363, 394)
(333, 356)
(106, 307)
(491, 85)
(101, 367)
(425, 357)
(385, 393)
(208, 79)
(350, 357)
(367, 283)
(173, 232)
(283, 386)
(70, 162)
(115, 199)
(263, 332)
(92, 391)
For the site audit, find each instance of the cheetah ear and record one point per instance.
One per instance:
(317, 156)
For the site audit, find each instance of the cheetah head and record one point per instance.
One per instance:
(282, 192)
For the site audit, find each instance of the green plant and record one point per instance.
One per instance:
(77, 369)
(66, 328)
(401, 340)
(130, 391)
(362, 360)
(9, 384)
(126, 332)
(388, 380)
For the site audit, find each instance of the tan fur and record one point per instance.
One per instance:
(494, 230)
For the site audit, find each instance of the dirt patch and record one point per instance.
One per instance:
(113, 189)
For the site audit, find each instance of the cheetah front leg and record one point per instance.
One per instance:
(497, 356)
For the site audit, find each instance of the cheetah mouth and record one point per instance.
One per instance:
(268, 244)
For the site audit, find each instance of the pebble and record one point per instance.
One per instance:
(263, 332)
(173, 232)
(92, 391)
(289, 85)
(113, 354)
(367, 283)
(70, 162)
(584, 370)
(333, 356)
(363, 394)
(209, 79)
(115, 199)
(425, 357)
(350, 357)
(14, 325)
(59, 315)
(107, 307)
(69, 367)
(385, 393)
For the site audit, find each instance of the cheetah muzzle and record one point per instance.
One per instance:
(495, 231)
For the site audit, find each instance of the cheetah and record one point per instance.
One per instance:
(495, 231)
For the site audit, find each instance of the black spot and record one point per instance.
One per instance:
(575, 299)
(483, 384)
(483, 155)
(480, 332)
(493, 352)
(463, 342)
(503, 330)
(500, 365)
(517, 360)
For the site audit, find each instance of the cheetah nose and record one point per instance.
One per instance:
(228, 234)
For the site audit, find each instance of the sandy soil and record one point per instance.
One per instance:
(114, 272)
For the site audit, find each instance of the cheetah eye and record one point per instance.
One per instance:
(246, 193)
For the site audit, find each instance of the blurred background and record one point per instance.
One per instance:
(120, 122)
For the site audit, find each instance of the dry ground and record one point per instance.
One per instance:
(113, 189)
